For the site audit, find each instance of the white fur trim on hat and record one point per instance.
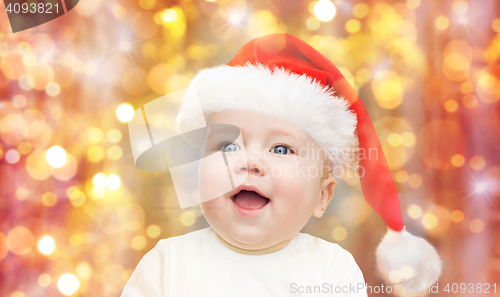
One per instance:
(408, 259)
(297, 98)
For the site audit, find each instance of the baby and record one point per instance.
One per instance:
(297, 134)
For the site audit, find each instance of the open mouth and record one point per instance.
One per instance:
(249, 200)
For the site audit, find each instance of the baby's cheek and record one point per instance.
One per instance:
(290, 183)
(214, 180)
(213, 211)
(213, 205)
(293, 209)
(301, 172)
(298, 184)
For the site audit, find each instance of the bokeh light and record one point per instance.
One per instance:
(22, 193)
(414, 211)
(4, 250)
(460, 7)
(76, 197)
(124, 112)
(312, 23)
(395, 139)
(115, 152)
(495, 25)
(147, 4)
(395, 276)
(76, 239)
(68, 170)
(406, 272)
(413, 4)
(235, 17)
(360, 10)
(18, 294)
(44, 280)
(119, 11)
(46, 245)
(469, 101)
(153, 231)
(99, 180)
(457, 160)
(457, 216)
(95, 134)
(19, 101)
(262, 22)
(56, 156)
(388, 90)
(481, 187)
(477, 162)
(113, 182)
(429, 221)
(415, 181)
(138, 243)
(49, 199)
(169, 16)
(401, 176)
(325, 10)
(476, 226)
(24, 148)
(68, 284)
(20, 240)
(12, 156)
(95, 154)
(188, 218)
(114, 135)
(339, 233)
(408, 139)
(466, 87)
(353, 210)
(125, 45)
(451, 105)
(84, 270)
(442, 22)
(53, 89)
(353, 26)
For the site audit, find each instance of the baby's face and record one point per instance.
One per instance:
(284, 165)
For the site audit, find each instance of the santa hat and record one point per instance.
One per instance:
(281, 75)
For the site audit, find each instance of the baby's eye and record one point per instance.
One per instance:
(281, 150)
(230, 147)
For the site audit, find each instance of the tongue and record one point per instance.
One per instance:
(250, 200)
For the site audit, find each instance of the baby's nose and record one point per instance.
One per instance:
(257, 169)
(254, 163)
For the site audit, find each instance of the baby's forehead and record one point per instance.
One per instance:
(260, 125)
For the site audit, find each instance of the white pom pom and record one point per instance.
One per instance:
(406, 259)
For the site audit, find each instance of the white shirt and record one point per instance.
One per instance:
(198, 264)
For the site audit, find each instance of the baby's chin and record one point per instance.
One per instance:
(251, 237)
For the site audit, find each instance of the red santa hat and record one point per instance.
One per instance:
(282, 75)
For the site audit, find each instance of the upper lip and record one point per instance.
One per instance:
(248, 188)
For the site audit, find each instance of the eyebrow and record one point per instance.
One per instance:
(294, 136)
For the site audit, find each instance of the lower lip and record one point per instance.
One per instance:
(247, 211)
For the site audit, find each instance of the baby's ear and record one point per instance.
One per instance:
(325, 196)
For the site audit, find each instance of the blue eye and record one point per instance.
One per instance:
(230, 147)
(281, 150)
